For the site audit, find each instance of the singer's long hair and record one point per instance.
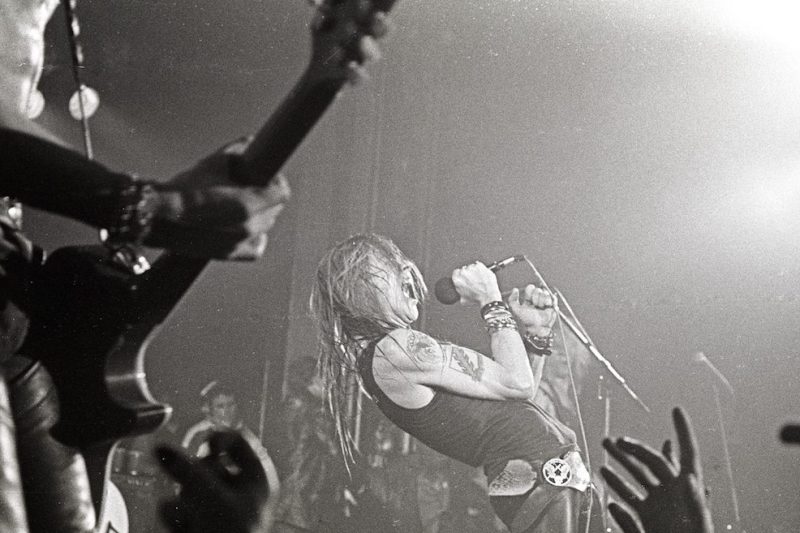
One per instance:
(346, 308)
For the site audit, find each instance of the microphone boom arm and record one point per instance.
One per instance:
(447, 294)
(589, 345)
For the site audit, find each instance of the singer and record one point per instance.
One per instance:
(472, 407)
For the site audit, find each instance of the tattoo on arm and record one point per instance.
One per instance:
(465, 365)
(421, 347)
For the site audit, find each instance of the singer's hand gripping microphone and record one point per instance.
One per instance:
(445, 291)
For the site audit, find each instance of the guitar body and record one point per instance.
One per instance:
(91, 322)
(90, 327)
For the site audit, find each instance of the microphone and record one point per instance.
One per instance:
(700, 358)
(446, 292)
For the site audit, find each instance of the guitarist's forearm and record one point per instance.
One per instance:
(47, 176)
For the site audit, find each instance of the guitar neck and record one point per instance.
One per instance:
(267, 153)
(286, 128)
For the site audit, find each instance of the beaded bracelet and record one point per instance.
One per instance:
(496, 324)
(499, 313)
(136, 213)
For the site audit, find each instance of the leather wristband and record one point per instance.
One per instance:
(493, 307)
(135, 212)
(538, 345)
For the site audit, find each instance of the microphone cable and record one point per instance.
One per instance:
(573, 387)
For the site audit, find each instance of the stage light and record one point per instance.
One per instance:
(767, 20)
(35, 105)
(87, 104)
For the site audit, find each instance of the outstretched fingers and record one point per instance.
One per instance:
(687, 443)
(624, 519)
(666, 451)
(659, 466)
(621, 487)
(634, 469)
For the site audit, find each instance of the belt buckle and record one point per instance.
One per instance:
(566, 471)
(557, 472)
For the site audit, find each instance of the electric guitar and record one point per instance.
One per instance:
(95, 318)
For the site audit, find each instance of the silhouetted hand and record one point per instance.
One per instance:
(674, 497)
(225, 491)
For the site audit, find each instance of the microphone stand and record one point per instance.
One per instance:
(604, 395)
(589, 345)
(603, 390)
(726, 453)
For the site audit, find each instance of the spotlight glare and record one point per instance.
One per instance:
(771, 201)
(774, 20)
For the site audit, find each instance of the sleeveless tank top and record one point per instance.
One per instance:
(477, 432)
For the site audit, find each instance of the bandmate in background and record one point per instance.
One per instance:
(473, 407)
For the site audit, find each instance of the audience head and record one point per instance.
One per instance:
(219, 405)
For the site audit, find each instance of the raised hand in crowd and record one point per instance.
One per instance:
(224, 491)
(674, 496)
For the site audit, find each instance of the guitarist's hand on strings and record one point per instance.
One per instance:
(225, 491)
(202, 212)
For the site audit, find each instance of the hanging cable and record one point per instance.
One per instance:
(84, 101)
(573, 386)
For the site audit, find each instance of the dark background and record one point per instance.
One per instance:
(644, 155)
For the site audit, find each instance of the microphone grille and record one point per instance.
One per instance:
(446, 292)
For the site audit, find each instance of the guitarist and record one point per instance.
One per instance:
(201, 212)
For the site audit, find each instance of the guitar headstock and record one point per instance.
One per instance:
(344, 37)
